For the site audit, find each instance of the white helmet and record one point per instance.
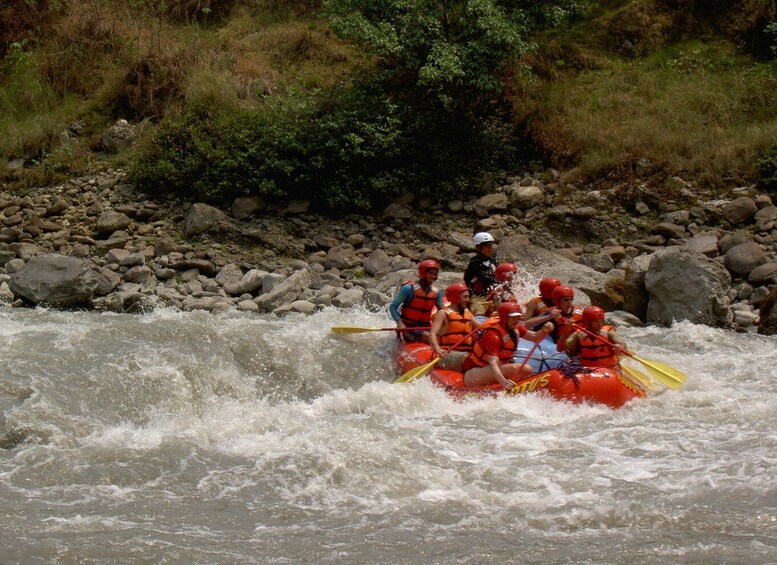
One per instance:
(483, 237)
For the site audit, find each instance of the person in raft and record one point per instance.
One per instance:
(593, 352)
(413, 304)
(503, 291)
(491, 358)
(541, 309)
(480, 274)
(451, 325)
(571, 313)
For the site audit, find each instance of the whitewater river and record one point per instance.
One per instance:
(197, 438)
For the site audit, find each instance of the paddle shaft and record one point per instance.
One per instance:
(421, 370)
(665, 374)
(528, 355)
(602, 339)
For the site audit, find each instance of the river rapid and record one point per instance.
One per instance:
(177, 437)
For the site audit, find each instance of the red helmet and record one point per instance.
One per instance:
(453, 292)
(503, 271)
(593, 313)
(547, 285)
(424, 266)
(562, 291)
(508, 309)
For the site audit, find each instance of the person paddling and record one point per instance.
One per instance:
(591, 351)
(451, 325)
(491, 358)
(413, 304)
(541, 309)
(563, 297)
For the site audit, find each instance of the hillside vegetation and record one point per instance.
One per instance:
(350, 103)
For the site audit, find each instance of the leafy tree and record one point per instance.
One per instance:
(445, 52)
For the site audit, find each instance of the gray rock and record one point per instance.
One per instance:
(163, 247)
(768, 314)
(739, 210)
(252, 281)
(397, 211)
(599, 262)
(668, 230)
(119, 137)
(496, 202)
(203, 218)
(204, 266)
(107, 283)
(348, 298)
(623, 319)
(247, 305)
(14, 265)
(765, 219)
(525, 197)
(635, 295)
(378, 263)
(342, 257)
(56, 280)
(707, 245)
(285, 292)
(229, 273)
(245, 206)
(303, 306)
(766, 273)
(139, 274)
(743, 258)
(685, 285)
(270, 281)
(298, 207)
(111, 221)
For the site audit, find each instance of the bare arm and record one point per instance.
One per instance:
(439, 325)
(493, 363)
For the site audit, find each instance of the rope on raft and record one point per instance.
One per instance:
(570, 369)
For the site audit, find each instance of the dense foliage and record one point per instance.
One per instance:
(427, 119)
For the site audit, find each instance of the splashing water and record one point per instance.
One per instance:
(192, 437)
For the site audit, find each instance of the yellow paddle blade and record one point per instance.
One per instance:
(663, 373)
(416, 373)
(638, 377)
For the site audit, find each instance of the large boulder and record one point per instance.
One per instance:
(739, 210)
(686, 285)
(768, 314)
(544, 263)
(743, 258)
(56, 280)
(635, 296)
(202, 218)
(285, 292)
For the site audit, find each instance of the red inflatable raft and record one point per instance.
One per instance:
(601, 386)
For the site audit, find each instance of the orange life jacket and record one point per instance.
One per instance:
(539, 305)
(418, 312)
(594, 352)
(478, 356)
(561, 330)
(459, 325)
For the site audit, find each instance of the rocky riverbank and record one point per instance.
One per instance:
(97, 242)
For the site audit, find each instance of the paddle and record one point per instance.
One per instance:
(662, 372)
(638, 377)
(353, 330)
(528, 355)
(421, 370)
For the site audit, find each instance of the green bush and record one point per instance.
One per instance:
(344, 150)
(767, 165)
